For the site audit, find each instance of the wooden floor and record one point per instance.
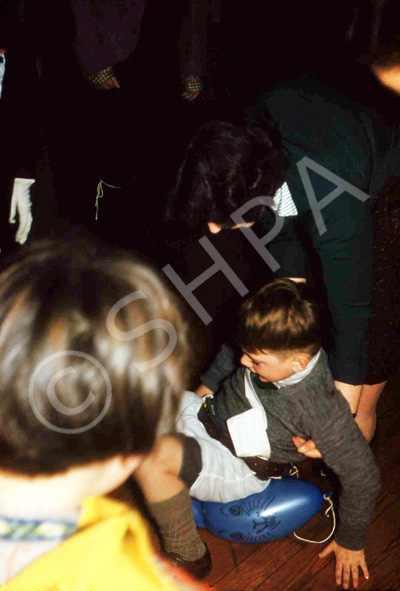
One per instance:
(291, 565)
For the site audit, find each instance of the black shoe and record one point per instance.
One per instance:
(199, 568)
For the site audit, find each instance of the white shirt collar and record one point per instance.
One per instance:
(299, 375)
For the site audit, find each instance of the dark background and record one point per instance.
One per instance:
(250, 46)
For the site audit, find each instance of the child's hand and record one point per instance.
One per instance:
(202, 391)
(307, 448)
(347, 564)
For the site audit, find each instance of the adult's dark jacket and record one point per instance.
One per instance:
(362, 147)
(107, 33)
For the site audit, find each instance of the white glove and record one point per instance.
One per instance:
(21, 204)
(2, 70)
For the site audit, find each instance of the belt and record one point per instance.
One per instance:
(264, 469)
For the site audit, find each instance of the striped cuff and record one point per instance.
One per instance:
(98, 78)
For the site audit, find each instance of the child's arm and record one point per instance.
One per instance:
(347, 564)
(202, 391)
(346, 452)
(223, 366)
(347, 561)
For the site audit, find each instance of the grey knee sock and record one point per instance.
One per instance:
(175, 519)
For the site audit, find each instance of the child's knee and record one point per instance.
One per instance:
(168, 452)
(165, 457)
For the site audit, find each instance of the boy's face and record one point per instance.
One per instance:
(268, 366)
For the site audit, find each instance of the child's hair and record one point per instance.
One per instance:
(92, 352)
(281, 318)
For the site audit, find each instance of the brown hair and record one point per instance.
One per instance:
(281, 317)
(92, 357)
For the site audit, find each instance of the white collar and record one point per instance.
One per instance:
(299, 375)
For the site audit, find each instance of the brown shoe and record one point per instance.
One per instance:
(199, 568)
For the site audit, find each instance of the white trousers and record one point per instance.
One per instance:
(223, 477)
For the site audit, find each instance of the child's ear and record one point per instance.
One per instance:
(300, 362)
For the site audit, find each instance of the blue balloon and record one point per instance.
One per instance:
(284, 506)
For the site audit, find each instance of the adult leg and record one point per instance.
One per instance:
(351, 393)
(363, 400)
(366, 411)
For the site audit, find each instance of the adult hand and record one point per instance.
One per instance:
(202, 391)
(110, 83)
(347, 564)
(307, 447)
(104, 79)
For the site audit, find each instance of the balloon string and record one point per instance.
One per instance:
(329, 509)
(234, 557)
(99, 195)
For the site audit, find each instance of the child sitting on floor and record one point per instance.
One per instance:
(223, 442)
(92, 349)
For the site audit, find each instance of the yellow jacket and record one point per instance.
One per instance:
(111, 551)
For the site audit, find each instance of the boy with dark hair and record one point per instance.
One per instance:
(92, 355)
(282, 389)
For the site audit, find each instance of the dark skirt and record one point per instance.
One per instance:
(384, 330)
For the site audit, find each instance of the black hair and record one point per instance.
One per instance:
(225, 165)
